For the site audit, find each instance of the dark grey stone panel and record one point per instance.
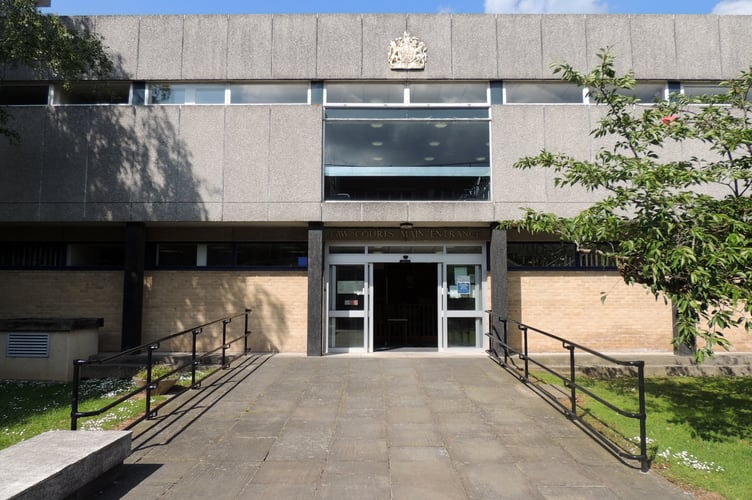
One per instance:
(110, 212)
(698, 47)
(474, 47)
(520, 47)
(19, 212)
(61, 212)
(339, 47)
(315, 289)
(378, 31)
(204, 47)
(293, 46)
(249, 47)
(160, 48)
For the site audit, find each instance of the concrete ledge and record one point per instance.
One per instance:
(57, 463)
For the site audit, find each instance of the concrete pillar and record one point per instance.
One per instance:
(133, 285)
(498, 260)
(315, 288)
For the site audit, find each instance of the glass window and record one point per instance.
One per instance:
(647, 92)
(93, 93)
(448, 92)
(177, 254)
(294, 254)
(209, 94)
(365, 93)
(541, 255)
(165, 93)
(345, 333)
(32, 255)
(95, 255)
(697, 89)
(463, 332)
(542, 93)
(23, 95)
(269, 93)
(219, 255)
(464, 287)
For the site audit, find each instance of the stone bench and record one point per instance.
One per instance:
(57, 463)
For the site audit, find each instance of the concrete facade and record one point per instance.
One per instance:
(254, 172)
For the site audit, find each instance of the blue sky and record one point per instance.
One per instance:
(96, 7)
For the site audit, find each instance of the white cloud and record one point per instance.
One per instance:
(547, 6)
(727, 7)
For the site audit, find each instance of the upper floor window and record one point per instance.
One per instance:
(234, 93)
(407, 149)
(20, 94)
(92, 93)
(543, 93)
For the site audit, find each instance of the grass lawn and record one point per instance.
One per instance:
(28, 408)
(699, 428)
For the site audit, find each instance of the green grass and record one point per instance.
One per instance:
(699, 428)
(28, 408)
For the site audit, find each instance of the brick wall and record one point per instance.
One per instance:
(177, 300)
(568, 304)
(67, 294)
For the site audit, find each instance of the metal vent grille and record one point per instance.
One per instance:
(28, 345)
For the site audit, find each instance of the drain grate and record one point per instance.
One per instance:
(28, 345)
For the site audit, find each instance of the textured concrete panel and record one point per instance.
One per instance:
(653, 47)
(736, 44)
(301, 212)
(154, 211)
(61, 212)
(202, 132)
(474, 47)
(567, 131)
(245, 212)
(21, 164)
(436, 33)
(110, 162)
(19, 212)
(204, 47)
(341, 211)
(383, 212)
(340, 47)
(120, 35)
(198, 211)
(293, 46)
(64, 169)
(249, 47)
(451, 212)
(160, 154)
(520, 47)
(563, 40)
(516, 131)
(110, 212)
(246, 165)
(698, 47)
(378, 31)
(295, 154)
(160, 48)
(613, 32)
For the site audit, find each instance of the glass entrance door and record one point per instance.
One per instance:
(347, 307)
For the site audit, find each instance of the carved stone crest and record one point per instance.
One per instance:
(407, 52)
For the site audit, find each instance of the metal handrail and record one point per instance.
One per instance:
(151, 383)
(501, 351)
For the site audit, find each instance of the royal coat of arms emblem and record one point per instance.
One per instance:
(407, 52)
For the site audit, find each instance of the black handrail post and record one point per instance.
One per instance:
(225, 365)
(246, 332)
(526, 351)
(194, 363)
(572, 381)
(149, 359)
(643, 418)
(505, 336)
(76, 384)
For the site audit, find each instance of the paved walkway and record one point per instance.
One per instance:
(378, 426)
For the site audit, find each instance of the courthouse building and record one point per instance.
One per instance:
(341, 175)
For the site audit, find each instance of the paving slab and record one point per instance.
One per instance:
(369, 427)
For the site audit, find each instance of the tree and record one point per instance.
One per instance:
(45, 45)
(682, 228)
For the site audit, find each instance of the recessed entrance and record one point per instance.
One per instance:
(404, 305)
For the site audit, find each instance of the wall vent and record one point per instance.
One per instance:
(28, 345)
